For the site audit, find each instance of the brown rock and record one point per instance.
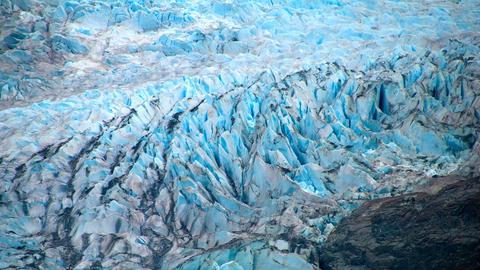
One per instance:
(412, 231)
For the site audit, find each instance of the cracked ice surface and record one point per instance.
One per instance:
(219, 135)
(60, 48)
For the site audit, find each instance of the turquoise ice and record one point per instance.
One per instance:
(221, 134)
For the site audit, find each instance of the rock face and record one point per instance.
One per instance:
(412, 231)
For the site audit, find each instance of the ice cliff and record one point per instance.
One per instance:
(222, 135)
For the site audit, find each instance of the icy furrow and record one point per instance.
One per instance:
(55, 49)
(185, 172)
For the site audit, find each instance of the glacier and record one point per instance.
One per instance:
(223, 134)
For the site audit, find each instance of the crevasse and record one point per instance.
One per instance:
(211, 135)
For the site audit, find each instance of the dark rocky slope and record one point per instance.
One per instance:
(412, 231)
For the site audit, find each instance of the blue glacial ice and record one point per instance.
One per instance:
(222, 135)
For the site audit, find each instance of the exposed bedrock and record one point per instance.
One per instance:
(412, 231)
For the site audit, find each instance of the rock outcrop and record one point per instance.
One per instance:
(411, 231)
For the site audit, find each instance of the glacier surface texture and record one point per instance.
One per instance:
(145, 134)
